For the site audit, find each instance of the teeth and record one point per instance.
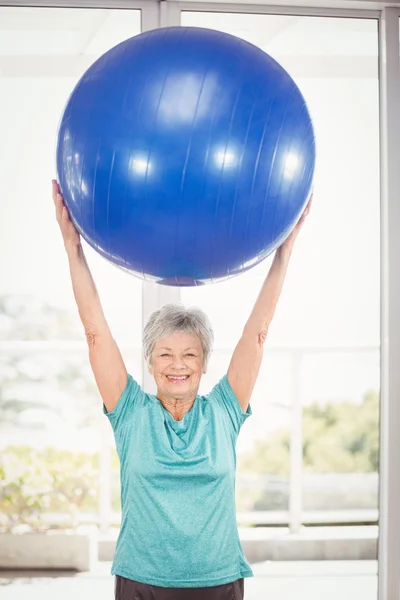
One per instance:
(179, 378)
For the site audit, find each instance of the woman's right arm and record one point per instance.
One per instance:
(105, 358)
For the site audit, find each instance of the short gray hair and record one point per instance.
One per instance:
(176, 317)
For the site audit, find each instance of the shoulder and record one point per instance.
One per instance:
(130, 400)
(223, 396)
(222, 388)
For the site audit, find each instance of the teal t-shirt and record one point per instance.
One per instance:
(178, 524)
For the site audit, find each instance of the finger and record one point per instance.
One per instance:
(66, 217)
(65, 213)
(301, 221)
(59, 206)
(302, 218)
(308, 207)
(54, 189)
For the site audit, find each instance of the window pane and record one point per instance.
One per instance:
(50, 434)
(51, 417)
(331, 297)
(43, 52)
(341, 432)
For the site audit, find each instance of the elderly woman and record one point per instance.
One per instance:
(178, 537)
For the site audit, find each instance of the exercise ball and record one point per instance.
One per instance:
(185, 155)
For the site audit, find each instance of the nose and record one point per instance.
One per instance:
(178, 363)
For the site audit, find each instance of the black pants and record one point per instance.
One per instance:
(127, 589)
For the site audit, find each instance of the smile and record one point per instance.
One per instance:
(177, 378)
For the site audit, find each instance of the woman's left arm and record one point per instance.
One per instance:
(246, 360)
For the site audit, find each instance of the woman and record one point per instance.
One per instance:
(178, 537)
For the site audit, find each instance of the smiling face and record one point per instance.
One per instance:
(177, 365)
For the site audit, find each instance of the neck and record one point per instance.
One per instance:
(178, 407)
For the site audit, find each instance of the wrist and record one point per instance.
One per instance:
(284, 253)
(73, 248)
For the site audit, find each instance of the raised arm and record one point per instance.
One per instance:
(246, 360)
(105, 358)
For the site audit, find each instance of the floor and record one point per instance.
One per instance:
(335, 580)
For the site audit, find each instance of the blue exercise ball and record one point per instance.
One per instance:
(185, 155)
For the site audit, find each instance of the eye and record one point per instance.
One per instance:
(190, 354)
(164, 355)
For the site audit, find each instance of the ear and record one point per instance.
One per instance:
(149, 367)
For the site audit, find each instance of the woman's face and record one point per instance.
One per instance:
(177, 364)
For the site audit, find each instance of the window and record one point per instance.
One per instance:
(323, 347)
(50, 409)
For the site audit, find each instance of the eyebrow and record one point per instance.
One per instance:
(186, 349)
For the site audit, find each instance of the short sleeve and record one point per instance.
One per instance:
(225, 396)
(123, 410)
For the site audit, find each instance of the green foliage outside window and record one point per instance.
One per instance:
(36, 483)
(340, 437)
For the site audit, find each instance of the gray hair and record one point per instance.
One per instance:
(176, 317)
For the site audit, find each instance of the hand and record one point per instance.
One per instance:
(70, 235)
(288, 244)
